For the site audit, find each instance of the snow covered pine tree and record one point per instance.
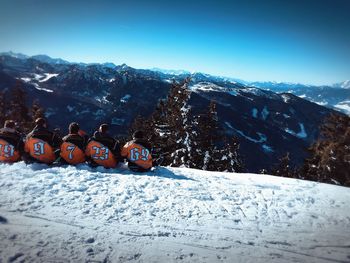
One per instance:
(330, 154)
(284, 169)
(184, 140)
(169, 128)
(18, 111)
(206, 153)
(177, 124)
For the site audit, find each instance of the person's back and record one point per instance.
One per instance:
(41, 132)
(73, 146)
(11, 143)
(74, 136)
(41, 144)
(138, 153)
(103, 137)
(11, 135)
(102, 148)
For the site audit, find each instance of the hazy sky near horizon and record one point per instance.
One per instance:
(291, 40)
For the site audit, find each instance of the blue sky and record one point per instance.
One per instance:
(294, 41)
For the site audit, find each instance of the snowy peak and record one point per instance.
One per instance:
(109, 65)
(345, 84)
(176, 72)
(14, 55)
(49, 60)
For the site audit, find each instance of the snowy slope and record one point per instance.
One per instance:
(68, 214)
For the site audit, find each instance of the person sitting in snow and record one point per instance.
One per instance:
(74, 136)
(105, 138)
(103, 149)
(11, 143)
(138, 153)
(73, 146)
(41, 144)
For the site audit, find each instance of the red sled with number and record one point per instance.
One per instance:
(101, 155)
(8, 153)
(40, 150)
(71, 153)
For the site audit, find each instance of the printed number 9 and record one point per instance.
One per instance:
(39, 148)
(135, 154)
(7, 150)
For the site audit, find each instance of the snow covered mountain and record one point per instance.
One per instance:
(172, 71)
(336, 96)
(344, 85)
(80, 214)
(15, 55)
(268, 123)
(49, 60)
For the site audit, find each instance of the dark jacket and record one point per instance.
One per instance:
(106, 140)
(12, 137)
(76, 139)
(143, 143)
(44, 134)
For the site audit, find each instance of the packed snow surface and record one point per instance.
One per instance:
(81, 214)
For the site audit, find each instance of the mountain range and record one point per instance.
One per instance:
(268, 118)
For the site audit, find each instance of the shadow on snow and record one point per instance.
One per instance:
(121, 169)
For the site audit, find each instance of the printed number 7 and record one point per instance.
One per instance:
(71, 149)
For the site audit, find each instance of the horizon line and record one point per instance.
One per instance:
(155, 68)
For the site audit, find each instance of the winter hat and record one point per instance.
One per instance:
(104, 128)
(74, 128)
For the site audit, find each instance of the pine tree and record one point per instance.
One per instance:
(3, 108)
(230, 160)
(330, 154)
(36, 112)
(212, 153)
(184, 140)
(284, 169)
(206, 140)
(140, 123)
(160, 132)
(169, 128)
(178, 119)
(18, 110)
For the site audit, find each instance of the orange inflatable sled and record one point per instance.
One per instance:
(71, 153)
(101, 155)
(8, 153)
(40, 150)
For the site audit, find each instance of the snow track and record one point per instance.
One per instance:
(80, 214)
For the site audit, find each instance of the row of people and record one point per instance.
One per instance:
(44, 146)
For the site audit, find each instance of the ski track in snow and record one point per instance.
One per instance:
(81, 214)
